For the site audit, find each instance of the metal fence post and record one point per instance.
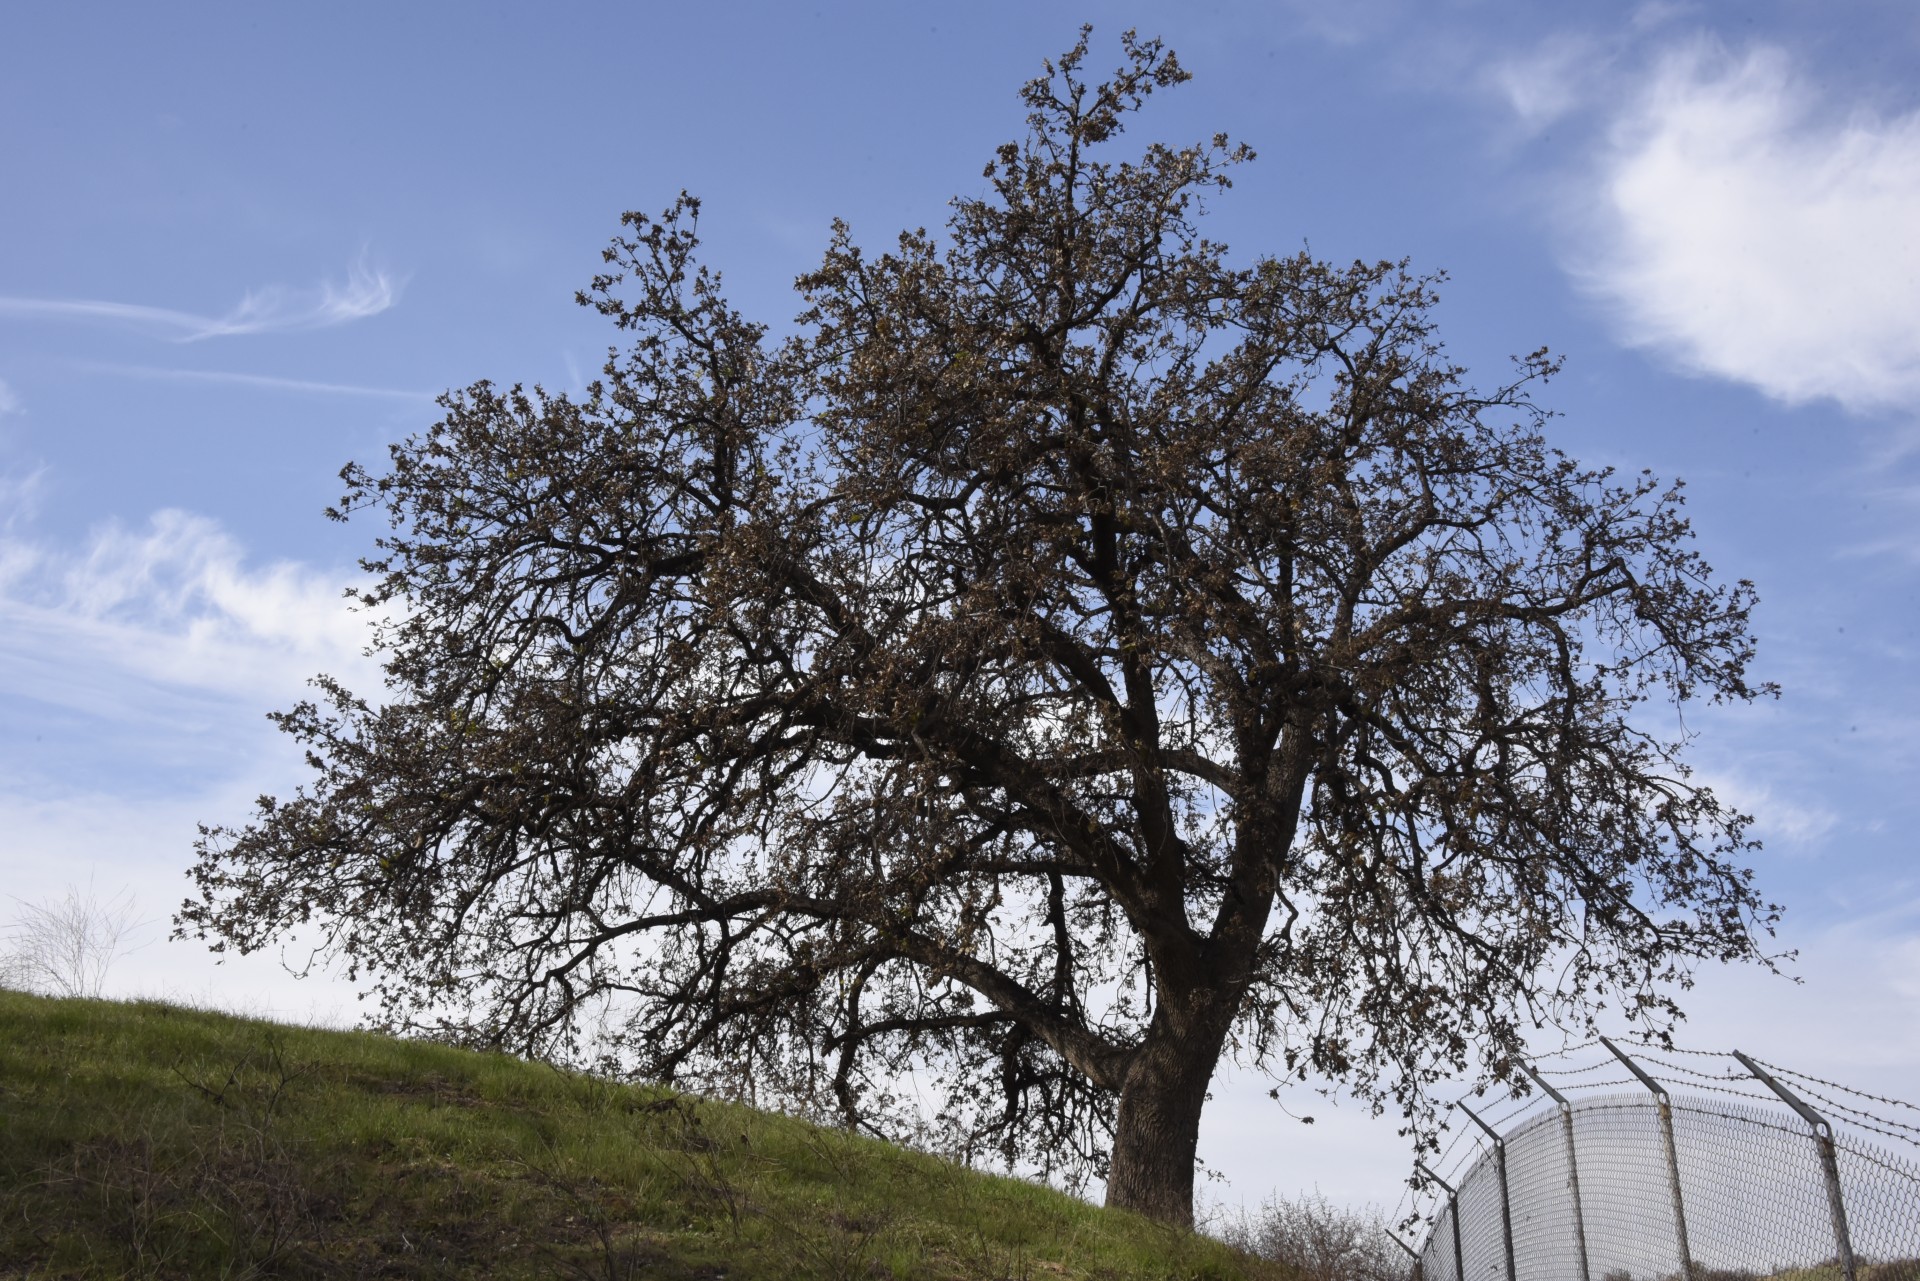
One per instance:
(1673, 1156)
(1453, 1212)
(1823, 1139)
(1573, 1167)
(1500, 1168)
(1419, 1268)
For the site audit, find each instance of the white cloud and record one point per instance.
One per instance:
(1549, 81)
(141, 617)
(264, 381)
(365, 292)
(135, 671)
(1741, 228)
(19, 504)
(9, 403)
(1779, 820)
(1346, 22)
(1854, 1016)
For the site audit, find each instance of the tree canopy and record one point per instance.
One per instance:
(1068, 656)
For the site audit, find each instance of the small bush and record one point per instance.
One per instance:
(65, 946)
(1319, 1240)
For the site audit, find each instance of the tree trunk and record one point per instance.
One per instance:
(1157, 1130)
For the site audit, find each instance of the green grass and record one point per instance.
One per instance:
(147, 1140)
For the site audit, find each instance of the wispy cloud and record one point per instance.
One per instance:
(365, 292)
(9, 403)
(142, 618)
(1745, 226)
(137, 666)
(1856, 1013)
(1345, 22)
(265, 381)
(1797, 824)
(1550, 80)
(19, 504)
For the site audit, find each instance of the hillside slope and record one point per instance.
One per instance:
(149, 1140)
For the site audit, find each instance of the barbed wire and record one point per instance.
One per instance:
(1477, 1151)
(1568, 1050)
(1869, 1121)
(1441, 1160)
(1835, 1085)
(1395, 1219)
(1410, 1194)
(1678, 1049)
(1520, 1106)
(1438, 1164)
(1718, 1084)
(1891, 1134)
(1412, 1211)
(1593, 1067)
(1445, 1163)
(1752, 1096)
(1705, 1076)
(1848, 1108)
(1604, 1085)
(1758, 1123)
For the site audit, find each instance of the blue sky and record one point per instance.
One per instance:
(245, 244)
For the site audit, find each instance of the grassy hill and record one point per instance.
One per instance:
(147, 1140)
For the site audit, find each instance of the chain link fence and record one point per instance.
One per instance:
(1652, 1186)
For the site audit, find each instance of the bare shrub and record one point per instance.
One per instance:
(1318, 1239)
(65, 946)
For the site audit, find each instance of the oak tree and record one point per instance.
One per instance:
(1069, 655)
